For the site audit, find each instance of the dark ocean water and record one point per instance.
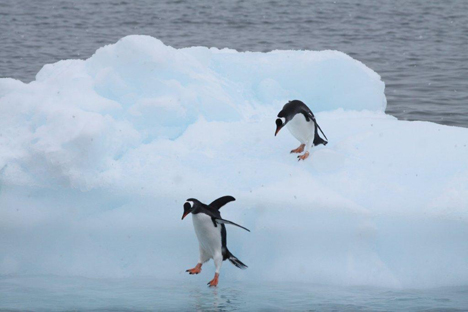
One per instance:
(420, 48)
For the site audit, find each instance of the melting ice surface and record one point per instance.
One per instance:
(98, 156)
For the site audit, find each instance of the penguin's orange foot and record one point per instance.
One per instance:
(195, 270)
(214, 281)
(300, 149)
(303, 157)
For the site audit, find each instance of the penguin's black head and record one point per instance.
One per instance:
(281, 121)
(287, 113)
(189, 206)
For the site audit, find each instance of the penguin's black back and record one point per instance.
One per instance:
(295, 107)
(224, 248)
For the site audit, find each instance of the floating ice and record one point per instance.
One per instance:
(99, 155)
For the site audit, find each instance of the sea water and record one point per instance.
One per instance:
(52, 293)
(418, 47)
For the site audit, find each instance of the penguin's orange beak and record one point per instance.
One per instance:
(278, 128)
(185, 214)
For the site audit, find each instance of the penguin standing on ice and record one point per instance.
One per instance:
(211, 233)
(302, 124)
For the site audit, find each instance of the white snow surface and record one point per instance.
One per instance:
(98, 156)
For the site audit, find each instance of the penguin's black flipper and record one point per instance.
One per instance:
(223, 221)
(220, 202)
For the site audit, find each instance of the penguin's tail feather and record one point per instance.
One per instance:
(237, 262)
(318, 140)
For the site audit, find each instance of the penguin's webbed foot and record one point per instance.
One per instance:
(214, 281)
(195, 270)
(303, 156)
(300, 149)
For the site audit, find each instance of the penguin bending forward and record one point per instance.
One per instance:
(211, 233)
(301, 122)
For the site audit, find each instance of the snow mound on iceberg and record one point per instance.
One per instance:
(99, 155)
(79, 118)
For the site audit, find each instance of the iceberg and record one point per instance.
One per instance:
(98, 156)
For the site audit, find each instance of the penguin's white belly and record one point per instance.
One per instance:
(302, 130)
(208, 235)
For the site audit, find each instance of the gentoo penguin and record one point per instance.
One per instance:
(211, 233)
(302, 124)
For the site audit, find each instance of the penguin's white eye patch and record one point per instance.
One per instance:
(190, 203)
(283, 120)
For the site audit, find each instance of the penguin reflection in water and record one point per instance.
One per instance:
(211, 233)
(301, 122)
